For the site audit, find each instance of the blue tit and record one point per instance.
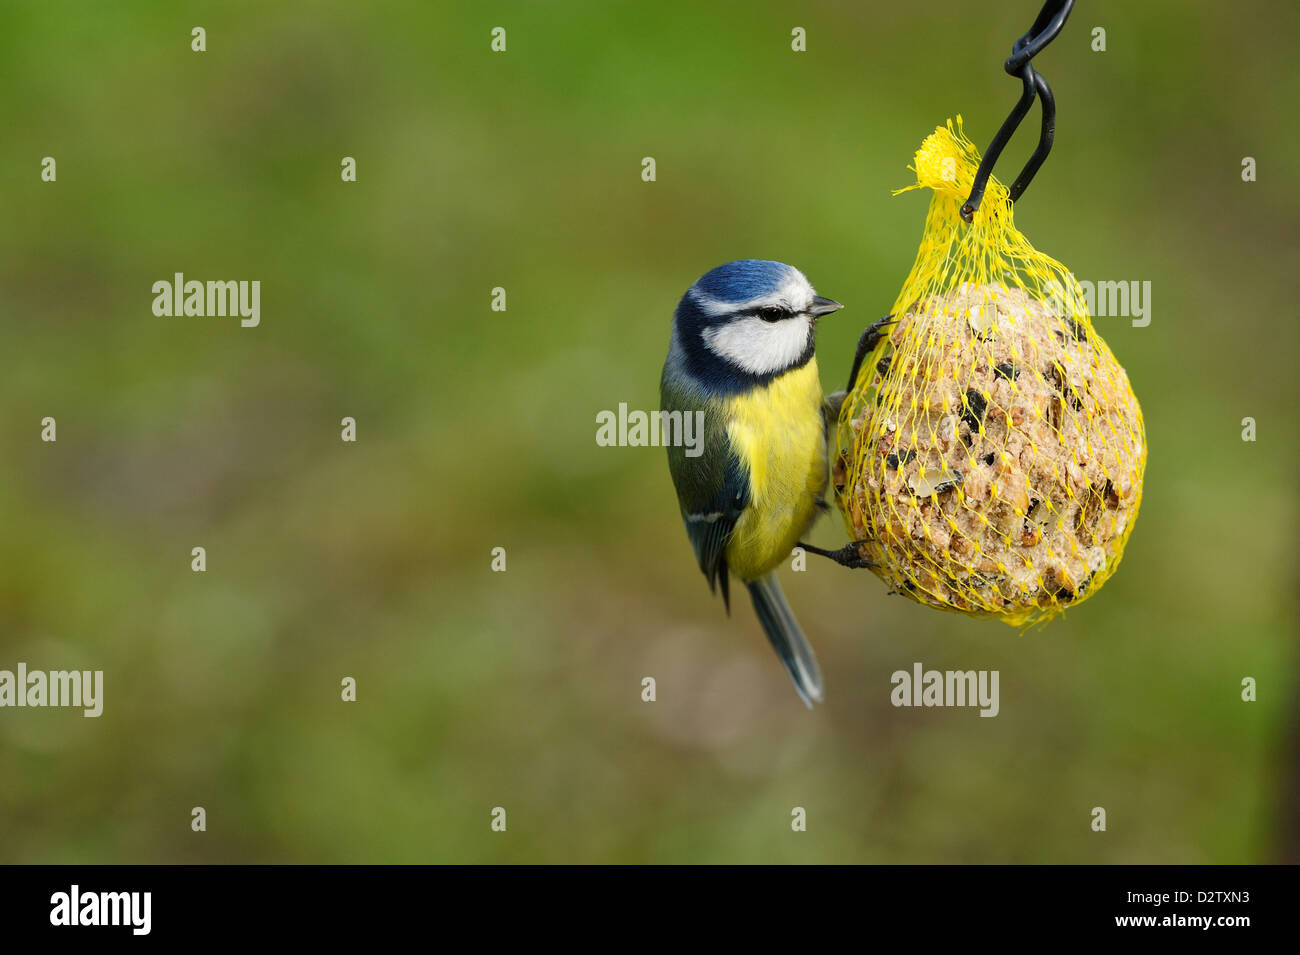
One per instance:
(742, 353)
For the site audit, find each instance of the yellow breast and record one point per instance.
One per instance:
(778, 432)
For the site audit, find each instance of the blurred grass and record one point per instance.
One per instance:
(476, 430)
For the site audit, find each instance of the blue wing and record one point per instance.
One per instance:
(709, 523)
(712, 487)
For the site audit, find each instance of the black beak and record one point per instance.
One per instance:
(823, 306)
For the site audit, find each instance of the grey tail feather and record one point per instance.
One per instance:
(786, 637)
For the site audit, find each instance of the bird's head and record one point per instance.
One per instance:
(750, 319)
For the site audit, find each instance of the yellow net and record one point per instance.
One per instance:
(991, 450)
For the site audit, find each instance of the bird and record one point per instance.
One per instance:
(742, 353)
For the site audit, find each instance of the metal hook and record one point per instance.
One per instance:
(1048, 24)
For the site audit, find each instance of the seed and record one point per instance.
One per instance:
(892, 460)
(975, 408)
(934, 484)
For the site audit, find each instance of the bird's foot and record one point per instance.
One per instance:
(846, 556)
(867, 344)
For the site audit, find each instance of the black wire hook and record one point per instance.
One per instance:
(1048, 24)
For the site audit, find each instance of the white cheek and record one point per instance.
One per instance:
(760, 347)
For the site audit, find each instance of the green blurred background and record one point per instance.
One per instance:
(477, 429)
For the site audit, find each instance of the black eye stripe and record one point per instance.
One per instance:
(772, 313)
